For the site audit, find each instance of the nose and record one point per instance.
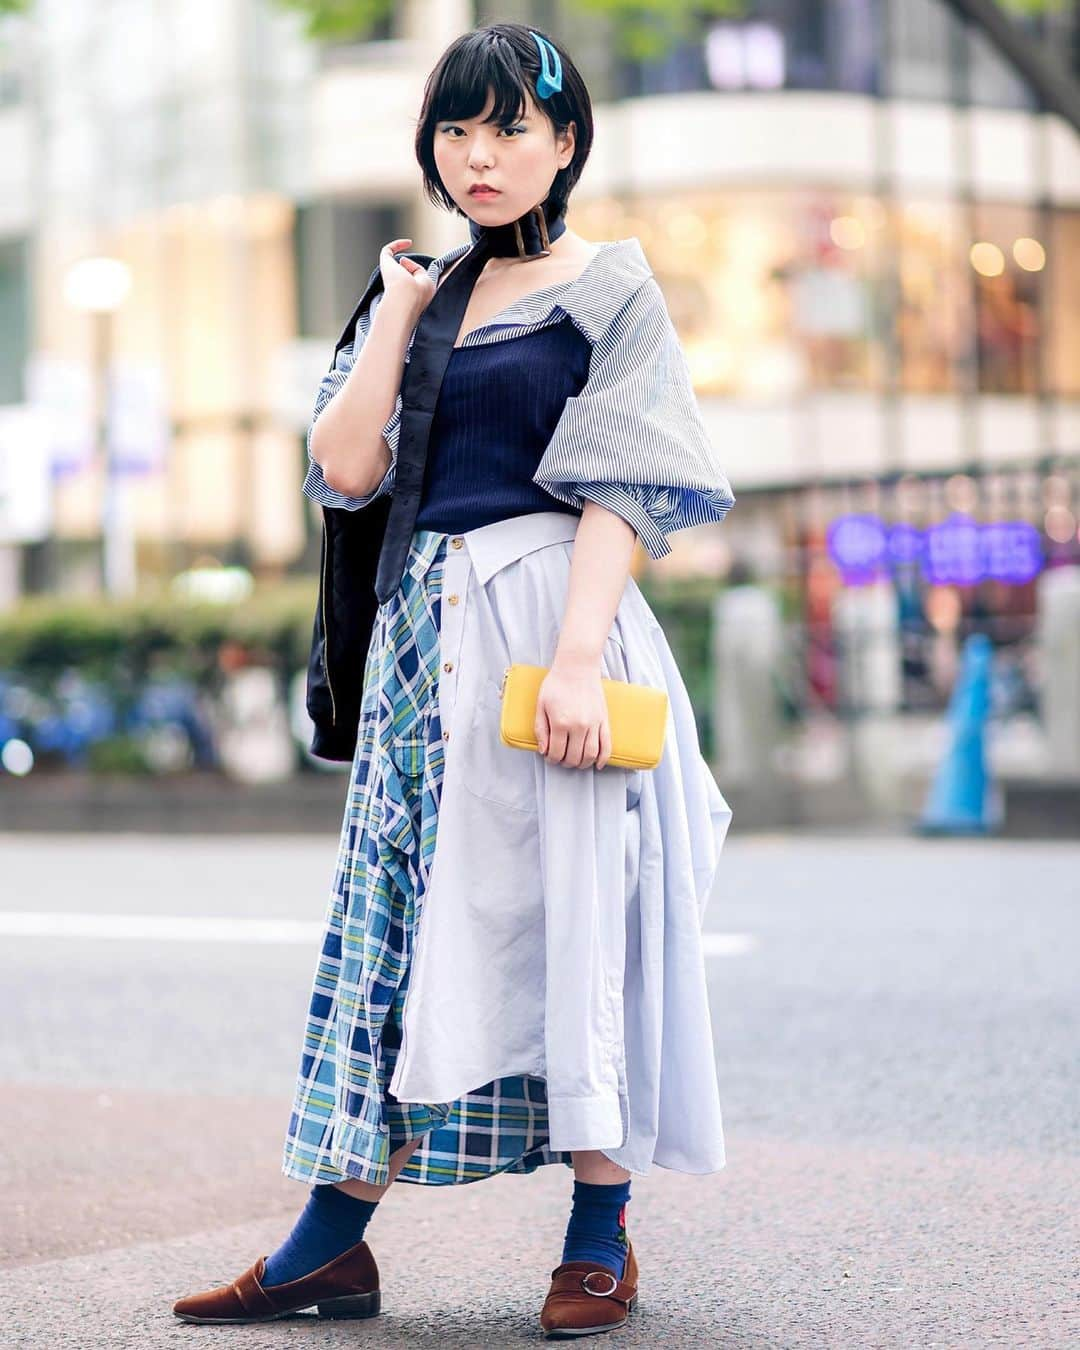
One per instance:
(481, 153)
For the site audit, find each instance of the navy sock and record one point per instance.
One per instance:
(597, 1227)
(331, 1222)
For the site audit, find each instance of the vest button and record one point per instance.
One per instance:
(451, 599)
(456, 542)
(446, 735)
(448, 665)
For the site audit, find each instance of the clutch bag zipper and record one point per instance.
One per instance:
(502, 685)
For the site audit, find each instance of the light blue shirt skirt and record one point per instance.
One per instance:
(342, 1101)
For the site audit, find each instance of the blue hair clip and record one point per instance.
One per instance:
(549, 81)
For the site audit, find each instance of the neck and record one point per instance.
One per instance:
(527, 237)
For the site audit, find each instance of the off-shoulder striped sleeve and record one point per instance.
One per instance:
(315, 485)
(633, 439)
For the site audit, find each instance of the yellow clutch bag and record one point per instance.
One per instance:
(637, 715)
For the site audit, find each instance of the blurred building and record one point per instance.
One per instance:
(867, 231)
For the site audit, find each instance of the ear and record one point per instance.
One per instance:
(568, 143)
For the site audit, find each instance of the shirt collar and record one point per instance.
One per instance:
(491, 547)
(592, 298)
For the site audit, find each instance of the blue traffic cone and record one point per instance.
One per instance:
(962, 798)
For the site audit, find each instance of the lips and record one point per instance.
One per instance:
(483, 192)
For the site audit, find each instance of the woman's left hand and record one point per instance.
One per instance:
(572, 726)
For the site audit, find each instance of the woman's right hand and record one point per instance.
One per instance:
(405, 278)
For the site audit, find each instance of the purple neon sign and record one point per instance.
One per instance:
(958, 551)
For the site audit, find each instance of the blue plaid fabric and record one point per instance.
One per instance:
(344, 1121)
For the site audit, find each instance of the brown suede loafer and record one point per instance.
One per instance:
(347, 1286)
(585, 1297)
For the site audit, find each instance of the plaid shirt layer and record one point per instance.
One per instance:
(344, 1120)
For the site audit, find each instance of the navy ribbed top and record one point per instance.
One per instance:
(497, 410)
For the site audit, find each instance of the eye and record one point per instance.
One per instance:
(520, 130)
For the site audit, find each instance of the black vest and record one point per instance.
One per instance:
(352, 542)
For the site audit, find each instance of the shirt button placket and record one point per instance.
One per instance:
(451, 627)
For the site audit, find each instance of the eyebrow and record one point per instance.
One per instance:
(525, 117)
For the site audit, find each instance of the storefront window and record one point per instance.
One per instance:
(1007, 260)
(1063, 373)
(778, 293)
(197, 352)
(933, 313)
(772, 293)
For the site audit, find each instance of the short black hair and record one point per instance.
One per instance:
(504, 58)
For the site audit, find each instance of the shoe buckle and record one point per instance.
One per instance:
(599, 1293)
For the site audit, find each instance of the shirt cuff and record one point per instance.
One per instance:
(624, 504)
(316, 487)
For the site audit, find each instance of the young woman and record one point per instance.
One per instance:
(556, 1008)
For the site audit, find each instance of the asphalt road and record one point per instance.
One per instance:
(896, 1029)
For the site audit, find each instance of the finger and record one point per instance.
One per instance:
(575, 745)
(542, 731)
(605, 745)
(557, 746)
(591, 748)
(394, 246)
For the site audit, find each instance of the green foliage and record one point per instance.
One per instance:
(683, 608)
(339, 20)
(123, 641)
(1034, 6)
(645, 29)
(118, 754)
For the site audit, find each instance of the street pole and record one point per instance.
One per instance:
(97, 287)
(118, 567)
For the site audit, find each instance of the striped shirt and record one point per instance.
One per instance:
(632, 440)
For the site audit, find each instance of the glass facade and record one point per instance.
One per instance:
(15, 309)
(934, 301)
(1007, 263)
(916, 49)
(779, 293)
(772, 293)
(199, 339)
(1063, 283)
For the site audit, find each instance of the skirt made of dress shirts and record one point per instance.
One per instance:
(345, 1122)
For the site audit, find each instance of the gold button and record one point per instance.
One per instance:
(448, 665)
(451, 599)
(456, 542)
(446, 735)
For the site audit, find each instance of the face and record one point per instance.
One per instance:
(519, 160)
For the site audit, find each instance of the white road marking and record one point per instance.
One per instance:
(728, 944)
(180, 928)
(168, 928)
